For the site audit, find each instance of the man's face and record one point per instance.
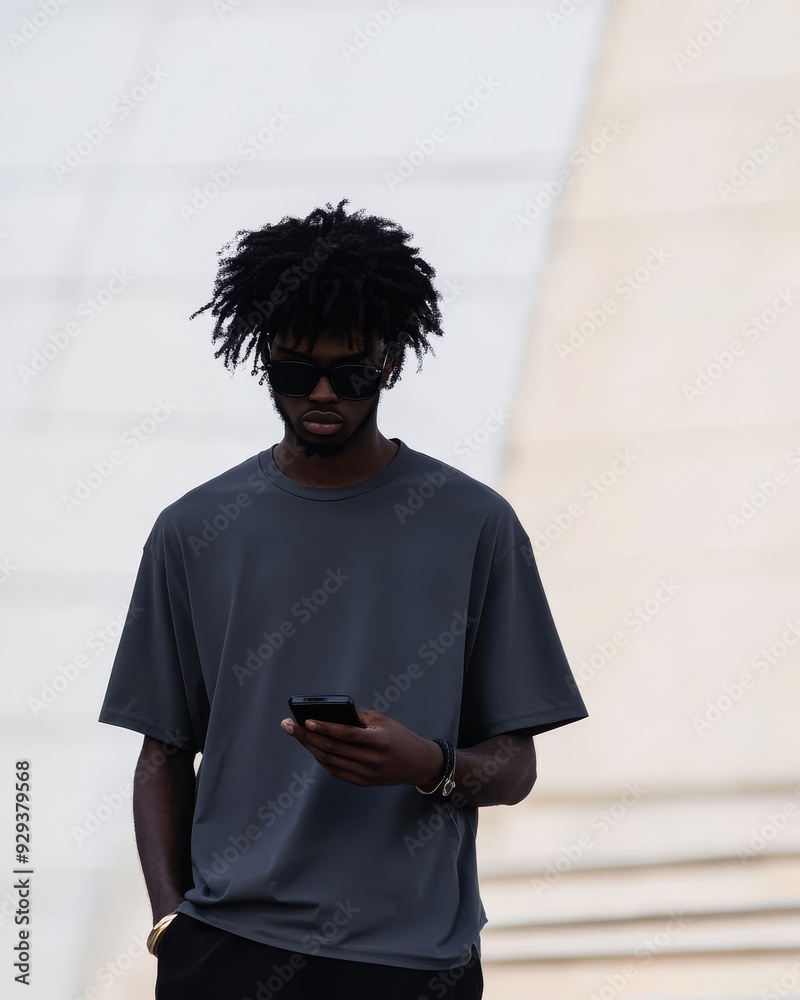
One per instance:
(322, 423)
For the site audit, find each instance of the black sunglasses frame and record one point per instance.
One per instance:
(330, 371)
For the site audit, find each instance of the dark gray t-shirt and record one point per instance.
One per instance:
(415, 592)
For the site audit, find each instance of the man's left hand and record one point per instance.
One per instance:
(385, 753)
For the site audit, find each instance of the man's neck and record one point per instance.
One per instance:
(354, 463)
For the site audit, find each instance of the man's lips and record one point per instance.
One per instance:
(318, 417)
(317, 422)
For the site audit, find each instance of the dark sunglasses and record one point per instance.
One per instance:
(299, 378)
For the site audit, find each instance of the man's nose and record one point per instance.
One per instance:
(323, 391)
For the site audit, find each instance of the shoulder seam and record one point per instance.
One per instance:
(512, 549)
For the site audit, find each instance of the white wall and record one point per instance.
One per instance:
(221, 72)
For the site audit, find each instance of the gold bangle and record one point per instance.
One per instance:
(158, 929)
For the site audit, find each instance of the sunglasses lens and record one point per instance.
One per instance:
(292, 378)
(297, 378)
(355, 381)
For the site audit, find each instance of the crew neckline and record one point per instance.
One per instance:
(273, 474)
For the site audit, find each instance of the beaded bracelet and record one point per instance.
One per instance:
(447, 780)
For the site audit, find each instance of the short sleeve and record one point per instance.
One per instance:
(516, 675)
(155, 687)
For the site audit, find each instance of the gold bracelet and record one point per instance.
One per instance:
(158, 929)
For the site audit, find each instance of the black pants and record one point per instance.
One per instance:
(199, 962)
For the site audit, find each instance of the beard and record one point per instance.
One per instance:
(324, 449)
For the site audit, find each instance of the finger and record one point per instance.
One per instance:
(334, 762)
(294, 729)
(338, 731)
(338, 748)
(355, 776)
(318, 744)
(371, 717)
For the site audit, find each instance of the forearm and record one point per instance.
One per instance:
(163, 806)
(499, 771)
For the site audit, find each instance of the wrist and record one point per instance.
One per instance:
(164, 911)
(433, 769)
(165, 904)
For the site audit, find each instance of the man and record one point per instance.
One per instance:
(330, 860)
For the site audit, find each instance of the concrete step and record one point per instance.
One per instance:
(641, 892)
(713, 928)
(636, 827)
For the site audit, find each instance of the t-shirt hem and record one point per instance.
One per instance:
(327, 951)
(165, 734)
(540, 722)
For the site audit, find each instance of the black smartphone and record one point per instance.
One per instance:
(339, 708)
